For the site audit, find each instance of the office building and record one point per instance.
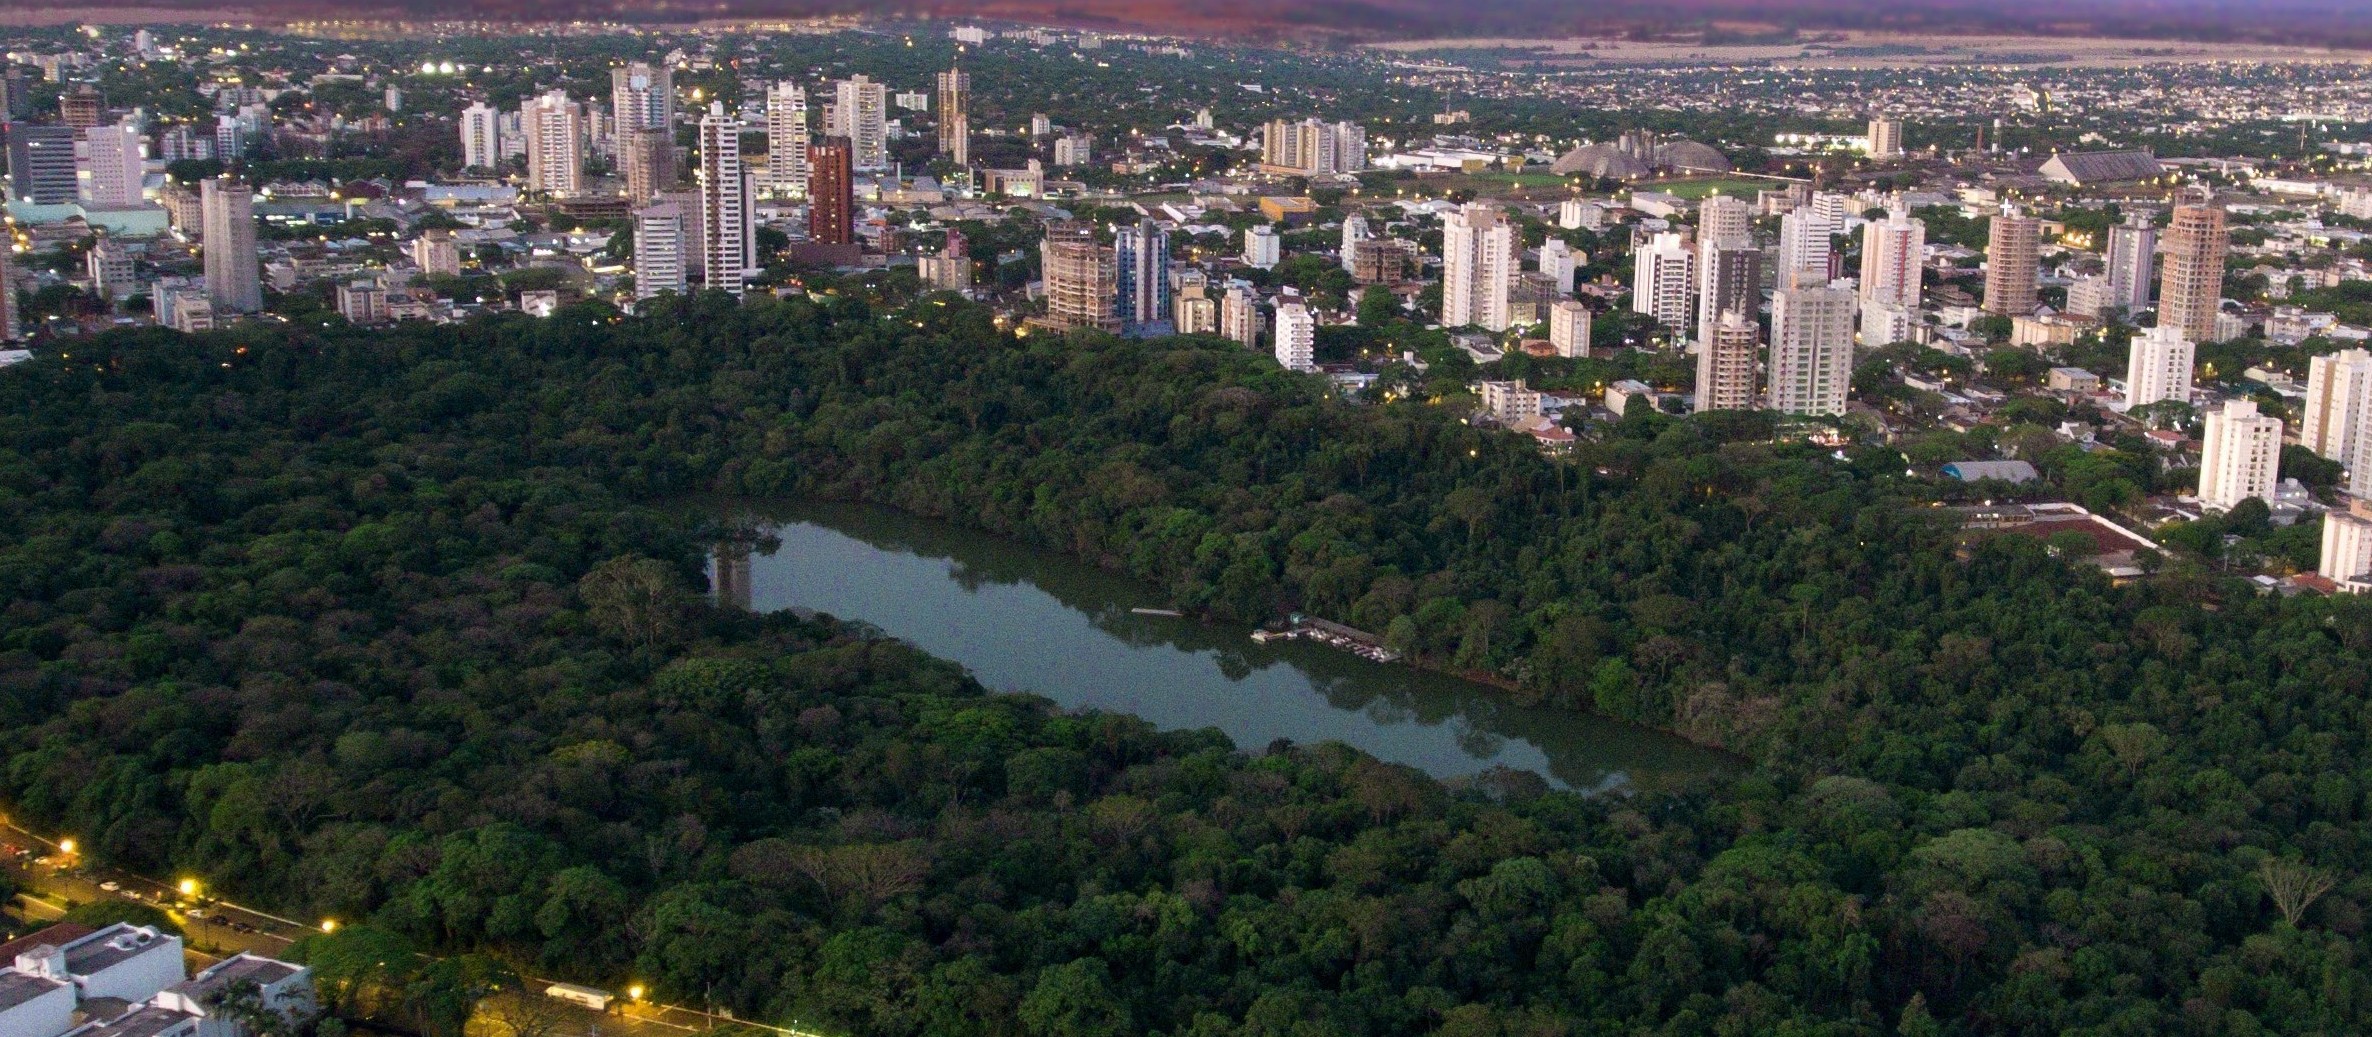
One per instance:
(81, 108)
(2132, 262)
(1263, 249)
(1729, 277)
(41, 164)
(481, 136)
(1886, 138)
(2013, 259)
(641, 97)
(1664, 284)
(860, 112)
(2347, 550)
(1080, 281)
(726, 212)
(233, 278)
(1893, 252)
(662, 245)
(112, 168)
(1296, 337)
(1726, 363)
(955, 121)
(1141, 269)
(647, 157)
(1239, 315)
(2191, 277)
(831, 192)
(2239, 456)
(1811, 365)
(1569, 328)
(1558, 264)
(786, 140)
(1478, 262)
(2337, 419)
(554, 128)
(2158, 367)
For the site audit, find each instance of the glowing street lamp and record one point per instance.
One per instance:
(634, 993)
(188, 887)
(66, 845)
(329, 925)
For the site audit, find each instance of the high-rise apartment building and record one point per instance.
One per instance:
(437, 254)
(2239, 455)
(41, 164)
(2158, 367)
(642, 97)
(661, 244)
(1569, 328)
(1141, 269)
(1558, 264)
(1313, 146)
(1807, 235)
(1726, 219)
(1296, 337)
(234, 280)
(1080, 281)
(2347, 548)
(1811, 368)
(1893, 252)
(1239, 315)
(113, 273)
(2013, 261)
(860, 112)
(1725, 364)
(1354, 231)
(2191, 278)
(1195, 312)
(112, 168)
(955, 119)
(81, 108)
(554, 127)
(1664, 283)
(2132, 262)
(1729, 277)
(831, 192)
(1478, 265)
(787, 142)
(8, 332)
(2337, 420)
(1886, 138)
(481, 136)
(727, 229)
(647, 156)
(1263, 249)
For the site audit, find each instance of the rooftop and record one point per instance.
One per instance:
(242, 968)
(16, 988)
(57, 935)
(112, 946)
(146, 1021)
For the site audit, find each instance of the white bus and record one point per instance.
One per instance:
(597, 1000)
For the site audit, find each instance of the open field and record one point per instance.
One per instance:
(1894, 50)
(1694, 190)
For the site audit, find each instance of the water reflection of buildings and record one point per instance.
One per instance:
(732, 575)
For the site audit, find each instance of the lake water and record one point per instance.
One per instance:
(1023, 619)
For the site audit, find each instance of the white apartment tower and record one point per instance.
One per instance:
(786, 140)
(2158, 367)
(1297, 337)
(2337, 421)
(1263, 249)
(1664, 285)
(725, 212)
(1729, 277)
(1811, 349)
(2347, 547)
(1725, 366)
(2239, 456)
(641, 97)
(662, 247)
(1558, 263)
(1239, 315)
(234, 282)
(1807, 235)
(1569, 328)
(112, 163)
(860, 112)
(1892, 252)
(481, 136)
(1727, 219)
(1354, 231)
(1478, 263)
(555, 131)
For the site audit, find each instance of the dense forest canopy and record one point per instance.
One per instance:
(403, 626)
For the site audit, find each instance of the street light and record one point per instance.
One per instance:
(66, 845)
(634, 993)
(188, 887)
(329, 925)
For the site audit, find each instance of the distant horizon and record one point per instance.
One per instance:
(2320, 23)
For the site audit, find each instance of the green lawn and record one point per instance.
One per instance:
(1697, 189)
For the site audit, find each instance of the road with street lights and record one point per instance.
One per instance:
(56, 876)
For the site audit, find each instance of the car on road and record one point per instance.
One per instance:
(111, 885)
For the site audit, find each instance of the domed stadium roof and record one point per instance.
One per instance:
(1691, 156)
(1600, 161)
